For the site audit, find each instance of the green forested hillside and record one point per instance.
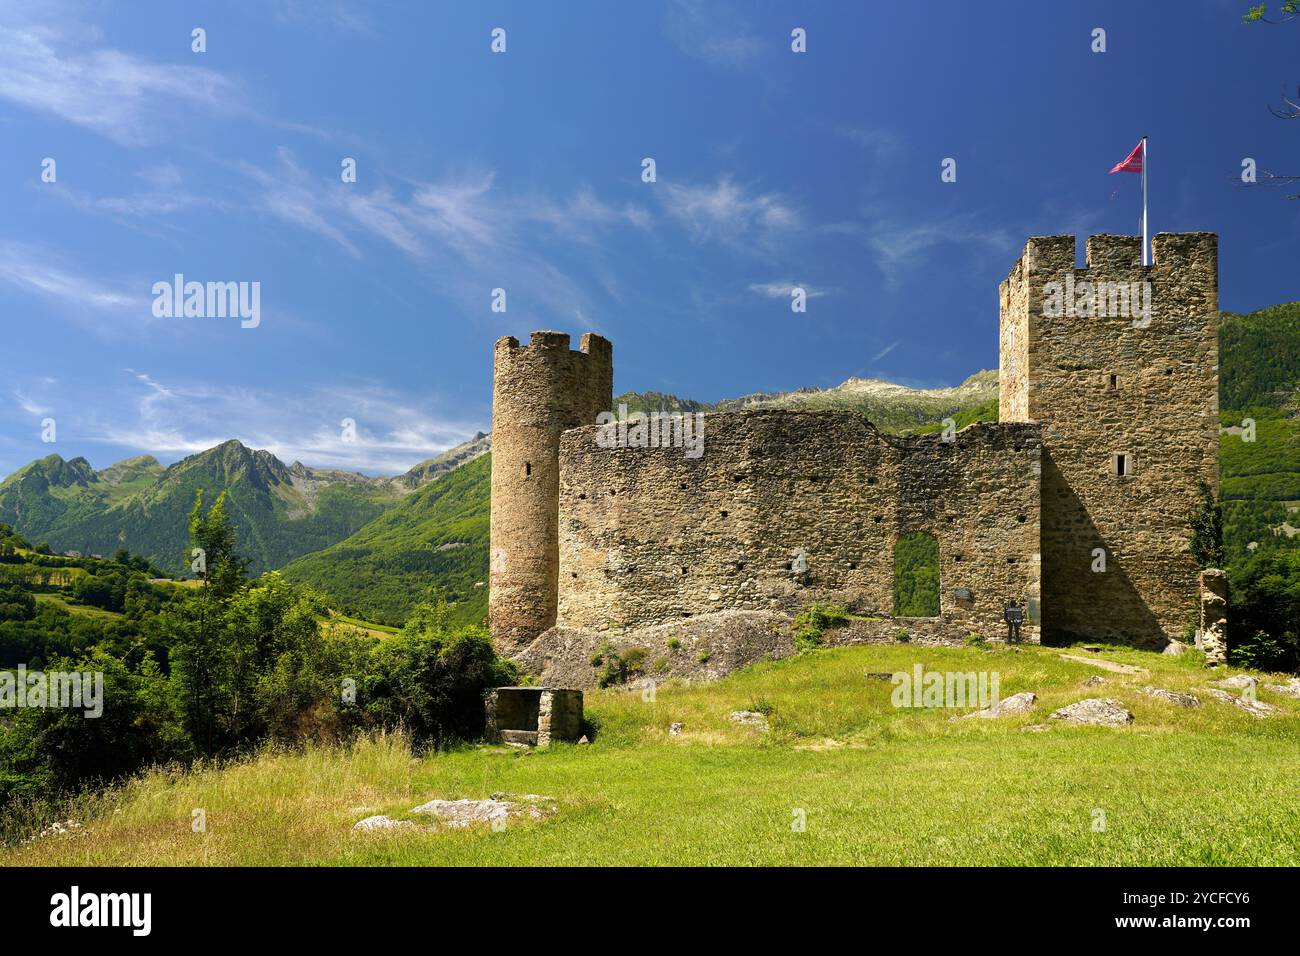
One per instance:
(1260, 381)
(278, 511)
(434, 544)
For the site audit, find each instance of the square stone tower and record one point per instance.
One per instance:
(1119, 363)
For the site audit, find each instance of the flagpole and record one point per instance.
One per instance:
(1146, 244)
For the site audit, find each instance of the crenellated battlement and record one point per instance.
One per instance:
(1170, 252)
(596, 346)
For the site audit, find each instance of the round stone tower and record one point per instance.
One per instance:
(538, 391)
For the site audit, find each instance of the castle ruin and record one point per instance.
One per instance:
(1075, 504)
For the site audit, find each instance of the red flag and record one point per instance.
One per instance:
(1132, 163)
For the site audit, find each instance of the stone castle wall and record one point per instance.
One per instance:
(588, 537)
(538, 391)
(648, 535)
(1160, 410)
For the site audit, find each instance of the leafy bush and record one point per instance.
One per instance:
(621, 667)
(432, 677)
(1264, 611)
(813, 620)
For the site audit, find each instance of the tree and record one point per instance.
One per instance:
(205, 663)
(212, 547)
(1207, 530)
(1264, 611)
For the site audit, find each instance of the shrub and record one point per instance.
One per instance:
(704, 656)
(674, 644)
(813, 620)
(902, 635)
(1264, 611)
(621, 667)
(431, 679)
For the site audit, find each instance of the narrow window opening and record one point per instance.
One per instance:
(528, 469)
(1114, 381)
(1121, 465)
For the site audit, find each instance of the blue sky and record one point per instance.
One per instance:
(522, 170)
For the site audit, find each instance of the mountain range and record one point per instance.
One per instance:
(280, 511)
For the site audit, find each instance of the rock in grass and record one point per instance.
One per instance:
(1173, 696)
(381, 822)
(750, 718)
(1175, 649)
(1012, 706)
(1237, 682)
(1290, 689)
(1256, 708)
(675, 730)
(464, 813)
(1099, 711)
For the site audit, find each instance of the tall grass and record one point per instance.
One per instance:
(876, 784)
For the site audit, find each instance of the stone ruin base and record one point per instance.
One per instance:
(709, 646)
(533, 716)
(1212, 636)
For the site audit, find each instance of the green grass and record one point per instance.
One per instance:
(879, 785)
(73, 608)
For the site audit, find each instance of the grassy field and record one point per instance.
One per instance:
(876, 784)
(61, 601)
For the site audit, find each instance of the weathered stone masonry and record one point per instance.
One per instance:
(538, 391)
(612, 540)
(649, 535)
(1104, 386)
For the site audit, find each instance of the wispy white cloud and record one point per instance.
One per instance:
(51, 66)
(340, 14)
(29, 405)
(729, 212)
(879, 143)
(782, 290)
(886, 350)
(98, 304)
(901, 246)
(165, 195)
(466, 234)
(711, 32)
(175, 419)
